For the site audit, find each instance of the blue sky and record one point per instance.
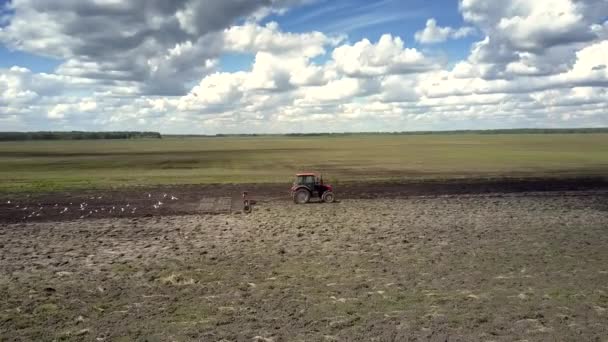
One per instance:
(358, 19)
(36, 63)
(230, 66)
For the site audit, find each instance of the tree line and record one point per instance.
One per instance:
(485, 131)
(81, 135)
(76, 135)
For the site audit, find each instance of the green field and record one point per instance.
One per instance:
(61, 165)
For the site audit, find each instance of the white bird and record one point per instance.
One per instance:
(155, 206)
(160, 203)
(164, 195)
(149, 195)
(173, 198)
(8, 202)
(122, 209)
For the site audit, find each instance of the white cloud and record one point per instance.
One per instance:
(58, 111)
(601, 30)
(254, 38)
(531, 37)
(437, 34)
(387, 56)
(15, 88)
(398, 88)
(158, 67)
(20, 86)
(591, 65)
(588, 70)
(342, 89)
(157, 45)
(544, 24)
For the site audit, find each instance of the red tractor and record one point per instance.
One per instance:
(308, 185)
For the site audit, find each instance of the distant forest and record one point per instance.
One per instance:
(75, 135)
(81, 135)
(488, 131)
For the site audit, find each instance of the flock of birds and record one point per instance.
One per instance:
(85, 209)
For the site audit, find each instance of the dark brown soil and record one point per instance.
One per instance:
(180, 200)
(502, 267)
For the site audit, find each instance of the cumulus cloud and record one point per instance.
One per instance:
(437, 34)
(387, 56)
(16, 87)
(72, 108)
(20, 86)
(339, 90)
(587, 70)
(537, 37)
(159, 45)
(254, 38)
(156, 65)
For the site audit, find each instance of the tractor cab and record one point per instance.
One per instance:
(307, 179)
(308, 185)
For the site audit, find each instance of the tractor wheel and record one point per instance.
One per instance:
(328, 197)
(247, 207)
(301, 196)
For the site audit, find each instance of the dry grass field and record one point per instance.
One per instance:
(39, 166)
(439, 238)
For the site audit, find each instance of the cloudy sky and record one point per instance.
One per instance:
(255, 66)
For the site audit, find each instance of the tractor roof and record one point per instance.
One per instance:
(305, 174)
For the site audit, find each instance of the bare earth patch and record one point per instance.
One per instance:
(495, 268)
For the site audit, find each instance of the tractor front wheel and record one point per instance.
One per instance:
(328, 197)
(301, 196)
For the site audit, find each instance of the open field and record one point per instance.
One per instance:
(458, 237)
(60, 165)
(495, 268)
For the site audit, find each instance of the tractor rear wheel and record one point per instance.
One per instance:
(247, 206)
(328, 197)
(301, 196)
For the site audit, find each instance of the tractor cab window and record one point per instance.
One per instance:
(305, 180)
